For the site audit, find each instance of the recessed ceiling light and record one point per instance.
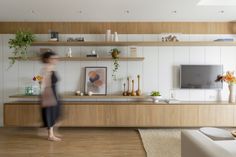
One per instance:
(221, 11)
(33, 12)
(79, 11)
(174, 12)
(127, 11)
(217, 2)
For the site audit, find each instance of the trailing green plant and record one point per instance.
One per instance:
(115, 55)
(22, 40)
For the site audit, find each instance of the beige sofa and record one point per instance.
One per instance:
(196, 144)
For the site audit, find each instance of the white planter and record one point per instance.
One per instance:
(156, 99)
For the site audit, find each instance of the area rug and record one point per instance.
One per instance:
(161, 142)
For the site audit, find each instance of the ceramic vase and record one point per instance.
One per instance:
(231, 94)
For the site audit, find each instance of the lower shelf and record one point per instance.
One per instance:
(66, 96)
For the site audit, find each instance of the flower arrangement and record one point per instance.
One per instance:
(231, 80)
(228, 78)
(38, 78)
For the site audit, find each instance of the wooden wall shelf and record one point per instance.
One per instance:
(64, 96)
(83, 58)
(134, 43)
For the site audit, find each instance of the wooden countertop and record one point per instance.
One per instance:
(121, 103)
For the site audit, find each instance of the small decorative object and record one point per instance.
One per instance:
(93, 54)
(90, 93)
(96, 80)
(231, 80)
(156, 96)
(54, 36)
(128, 91)
(79, 39)
(112, 37)
(133, 52)
(22, 40)
(69, 53)
(133, 93)
(125, 92)
(138, 92)
(115, 56)
(170, 38)
(116, 37)
(77, 92)
(108, 35)
(29, 90)
(81, 94)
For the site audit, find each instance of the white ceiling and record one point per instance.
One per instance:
(113, 10)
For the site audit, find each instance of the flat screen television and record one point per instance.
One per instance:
(200, 76)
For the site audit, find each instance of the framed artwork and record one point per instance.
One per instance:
(96, 80)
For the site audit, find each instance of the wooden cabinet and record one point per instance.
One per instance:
(125, 114)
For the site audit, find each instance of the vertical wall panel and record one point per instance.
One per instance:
(165, 68)
(181, 56)
(1, 80)
(11, 75)
(150, 69)
(212, 56)
(196, 56)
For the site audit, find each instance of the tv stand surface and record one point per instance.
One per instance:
(126, 114)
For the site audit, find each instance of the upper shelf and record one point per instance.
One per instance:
(83, 58)
(135, 43)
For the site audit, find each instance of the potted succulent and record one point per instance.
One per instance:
(115, 56)
(156, 96)
(22, 40)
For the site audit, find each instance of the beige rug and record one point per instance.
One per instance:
(161, 142)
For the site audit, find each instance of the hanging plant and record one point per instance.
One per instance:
(115, 55)
(22, 40)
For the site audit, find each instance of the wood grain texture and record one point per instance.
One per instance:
(134, 43)
(87, 142)
(82, 58)
(120, 27)
(125, 114)
(189, 115)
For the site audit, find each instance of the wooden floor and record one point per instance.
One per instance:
(77, 142)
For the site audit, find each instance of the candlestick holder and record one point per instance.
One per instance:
(133, 93)
(138, 92)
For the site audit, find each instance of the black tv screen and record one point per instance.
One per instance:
(200, 76)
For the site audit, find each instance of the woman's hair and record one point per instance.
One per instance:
(46, 55)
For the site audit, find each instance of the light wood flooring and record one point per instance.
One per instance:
(77, 142)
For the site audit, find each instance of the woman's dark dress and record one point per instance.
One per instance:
(51, 114)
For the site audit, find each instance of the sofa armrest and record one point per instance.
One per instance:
(196, 144)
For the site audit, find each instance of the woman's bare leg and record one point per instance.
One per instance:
(51, 136)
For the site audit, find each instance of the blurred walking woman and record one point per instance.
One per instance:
(49, 98)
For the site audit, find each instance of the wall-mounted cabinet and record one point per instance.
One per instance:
(125, 114)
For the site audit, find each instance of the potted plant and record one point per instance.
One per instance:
(115, 56)
(156, 96)
(22, 40)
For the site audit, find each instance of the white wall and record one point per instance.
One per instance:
(159, 70)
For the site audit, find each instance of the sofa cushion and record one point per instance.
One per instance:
(217, 134)
(230, 146)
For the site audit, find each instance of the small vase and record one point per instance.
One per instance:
(231, 94)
